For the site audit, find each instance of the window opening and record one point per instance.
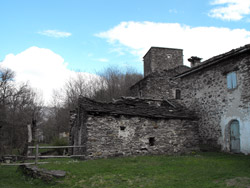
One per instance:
(169, 56)
(140, 93)
(151, 141)
(177, 94)
(122, 128)
(231, 80)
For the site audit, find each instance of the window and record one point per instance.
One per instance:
(151, 141)
(140, 94)
(177, 94)
(231, 80)
(122, 128)
(169, 56)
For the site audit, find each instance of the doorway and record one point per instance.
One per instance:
(235, 136)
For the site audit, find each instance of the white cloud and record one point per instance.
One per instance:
(103, 60)
(204, 42)
(55, 33)
(232, 9)
(118, 50)
(44, 69)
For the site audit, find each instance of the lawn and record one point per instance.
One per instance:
(199, 170)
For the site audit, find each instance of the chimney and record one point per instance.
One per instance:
(195, 61)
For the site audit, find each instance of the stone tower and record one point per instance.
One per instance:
(157, 59)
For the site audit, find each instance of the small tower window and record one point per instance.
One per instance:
(177, 94)
(169, 56)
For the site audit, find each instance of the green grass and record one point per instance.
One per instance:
(200, 170)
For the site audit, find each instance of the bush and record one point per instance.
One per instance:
(60, 142)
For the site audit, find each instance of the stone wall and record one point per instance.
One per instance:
(158, 85)
(155, 87)
(158, 59)
(123, 136)
(206, 93)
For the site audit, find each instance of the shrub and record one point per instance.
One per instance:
(60, 142)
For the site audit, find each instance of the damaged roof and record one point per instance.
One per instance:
(215, 60)
(166, 109)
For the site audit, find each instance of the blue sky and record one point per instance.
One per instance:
(88, 35)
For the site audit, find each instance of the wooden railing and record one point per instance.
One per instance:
(37, 147)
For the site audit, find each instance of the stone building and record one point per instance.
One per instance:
(172, 108)
(216, 89)
(132, 126)
(159, 84)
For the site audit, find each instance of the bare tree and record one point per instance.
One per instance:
(109, 84)
(18, 106)
(64, 100)
(116, 83)
(82, 84)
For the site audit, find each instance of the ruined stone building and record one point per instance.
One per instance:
(173, 109)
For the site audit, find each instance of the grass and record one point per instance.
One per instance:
(200, 170)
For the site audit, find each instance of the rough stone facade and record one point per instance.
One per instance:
(206, 92)
(203, 89)
(106, 130)
(177, 106)
(157, 59)
(159, 85)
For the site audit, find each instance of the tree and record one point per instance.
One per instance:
(107, 85)
(83, 84)
(115, 83)
(19, 104)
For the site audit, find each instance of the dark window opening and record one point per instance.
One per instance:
(151, 141)
(122, 128)
(177, 94)
(140, 93)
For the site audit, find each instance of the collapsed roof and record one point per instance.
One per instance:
(129, 106)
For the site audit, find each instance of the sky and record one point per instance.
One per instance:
(47, 41)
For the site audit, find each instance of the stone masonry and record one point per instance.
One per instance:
(203, 89)
(215, 104)
(159, 85)
(157, 59)
(178, 108)
(119, 129)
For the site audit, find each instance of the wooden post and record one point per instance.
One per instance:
(29, 152)
(36, 160)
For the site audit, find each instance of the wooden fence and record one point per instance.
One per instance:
(37, 147)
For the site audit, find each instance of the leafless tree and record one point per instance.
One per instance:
(18, 106)
(107, 85)
(116, 83)
(82, 84)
